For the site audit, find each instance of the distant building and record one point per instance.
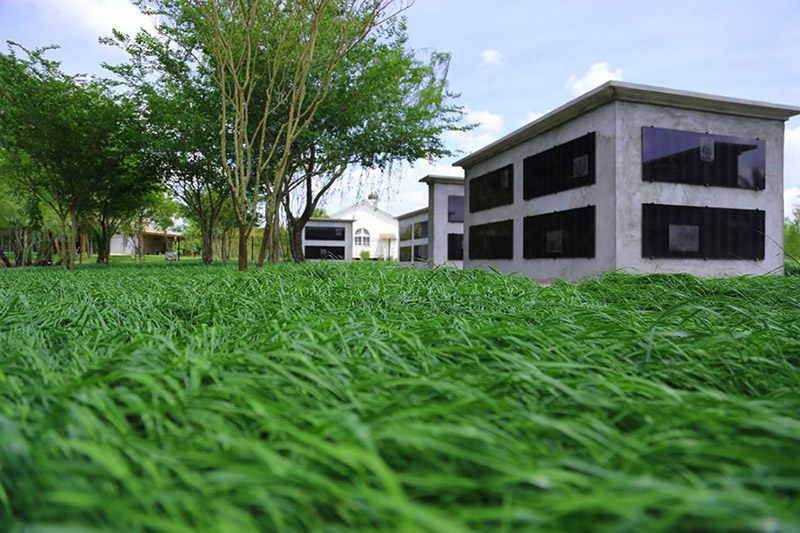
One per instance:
(154, 242)
(374, 230)
(328, 238)
(434, 235)
(633, 178)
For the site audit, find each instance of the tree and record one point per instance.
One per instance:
(180, 106)
(261, 55)
(384, 106)
(62, 135)
(128, 183)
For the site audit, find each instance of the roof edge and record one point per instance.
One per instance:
(635, 93)
(412, 213)
(450, 180)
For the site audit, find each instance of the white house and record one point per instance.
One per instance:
(328, 238)
(634, 178)
(374, 230)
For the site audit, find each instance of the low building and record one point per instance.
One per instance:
(328, 238)
(414, 236)
(374, 230)
(153, 242)
(434, 235)
(634, 178)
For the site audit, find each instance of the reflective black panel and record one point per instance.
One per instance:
(324, 233)
(421, 252)
(492, 189)
(702, 232)
(324, 252)
(702, 159)
(568, 233)
(492, 241)
(405, 254)
(420, 230)
(405, 232)
(562, 167)
(455, 246)
(455, 209)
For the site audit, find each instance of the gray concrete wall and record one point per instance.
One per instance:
(601, 194)
(438, 225)
(348, 236)
(632, 192)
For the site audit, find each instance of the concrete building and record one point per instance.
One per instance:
(328, 238)
(634, 178)
(414, 237)
(434, 235)
(154, 242)
(374, 230)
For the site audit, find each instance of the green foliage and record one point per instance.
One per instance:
(364, 397)
(792, 238)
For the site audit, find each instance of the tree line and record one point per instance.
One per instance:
(242, 113)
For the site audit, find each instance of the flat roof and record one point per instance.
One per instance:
(636, 93)
(413, 213)
(337, 220)
(450, 180)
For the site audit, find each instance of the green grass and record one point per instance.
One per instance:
(183, 398)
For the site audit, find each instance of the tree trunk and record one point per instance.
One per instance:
(27, 247)
(296, 241)
(6, 262)
(207, 245)
(62, 246)
(45, 254)
(243, 235)
(262, 250)
(275, 238)
(72, 241)
(104, 246)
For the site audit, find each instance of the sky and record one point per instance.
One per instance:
(515, 60)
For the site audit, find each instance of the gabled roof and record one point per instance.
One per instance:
(367, 204)
(631, 92)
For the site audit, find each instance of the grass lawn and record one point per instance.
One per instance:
(182, 398)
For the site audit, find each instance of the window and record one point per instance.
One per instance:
(420, 230)
(421, 252)
(362, 237)
(405, 254)
(455, 209)
(568, 233)
(324, 252)
(324, 233)
(702, 232)
(405, 232)
(455, 246)
(492, 241)
(491, 190)
(562, 167)
(702, 159)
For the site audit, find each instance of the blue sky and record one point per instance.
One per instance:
(513, 60)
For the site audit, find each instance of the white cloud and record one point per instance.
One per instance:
(597, 74)
(492, 57)
(96, 16)
(531, 116)
(791, 201)
(490, 126)
(791, 171)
